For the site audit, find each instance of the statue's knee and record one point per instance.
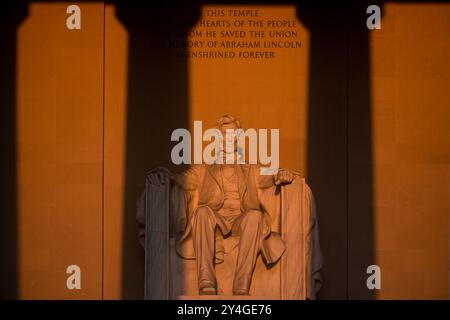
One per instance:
(253, 217)
(202, 213)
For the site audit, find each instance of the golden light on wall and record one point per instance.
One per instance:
(411, 149)
(59, 132)
(115, 118)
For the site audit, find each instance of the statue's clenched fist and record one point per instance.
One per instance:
(284, 176)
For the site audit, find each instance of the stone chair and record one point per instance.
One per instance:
(162, 217)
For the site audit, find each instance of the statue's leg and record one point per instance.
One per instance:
(203, 236)
(250, 230)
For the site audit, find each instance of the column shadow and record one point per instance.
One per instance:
(327, 171)
(157, 104)
(11, 15)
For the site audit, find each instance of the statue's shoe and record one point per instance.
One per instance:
(241, 292)
(207, 291)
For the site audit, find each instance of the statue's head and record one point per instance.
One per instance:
(228, 122)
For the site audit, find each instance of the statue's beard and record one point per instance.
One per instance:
(228, 156)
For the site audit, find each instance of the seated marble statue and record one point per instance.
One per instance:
(236, 200)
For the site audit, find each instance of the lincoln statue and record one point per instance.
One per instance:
(236, 200)
(228, 201)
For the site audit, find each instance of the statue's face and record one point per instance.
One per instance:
(230, 140)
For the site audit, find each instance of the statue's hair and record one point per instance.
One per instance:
(227, 119)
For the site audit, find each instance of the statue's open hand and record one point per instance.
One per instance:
(284, 176)
(158, 176)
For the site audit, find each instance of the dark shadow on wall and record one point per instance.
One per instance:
(360, 202)
(11, 14)
(340, 143)
(157, 104)
(327, 136)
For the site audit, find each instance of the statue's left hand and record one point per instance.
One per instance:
(158, 176)
(284, 176)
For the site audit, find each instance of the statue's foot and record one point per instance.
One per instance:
(207, 291)
(241, 292)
